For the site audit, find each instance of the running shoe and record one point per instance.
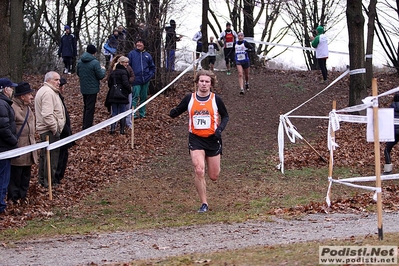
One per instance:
(228, 73)
(247, 86)
(242, 91)
(204, 208)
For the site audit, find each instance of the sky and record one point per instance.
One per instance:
(189, 20)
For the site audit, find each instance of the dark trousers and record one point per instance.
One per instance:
(19, 182)
(67, 62)
(62, 163)
(388, 149)
(89, 101)
(170, 60)
(54, 155)
(323, 67)
(5, 170)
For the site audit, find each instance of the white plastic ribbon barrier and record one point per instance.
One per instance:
(252, 40)
(290, 130)
(19, 151)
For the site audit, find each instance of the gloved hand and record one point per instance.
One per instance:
(173, 113)
(218, 133)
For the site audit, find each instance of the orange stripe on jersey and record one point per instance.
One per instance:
(203, 116)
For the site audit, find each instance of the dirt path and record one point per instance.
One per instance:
(161, 243)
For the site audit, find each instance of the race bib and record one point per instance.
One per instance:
(229, 45)
(202, 121)
(241, 57)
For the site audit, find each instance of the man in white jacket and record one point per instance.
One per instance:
(321, 45)
(50, 121)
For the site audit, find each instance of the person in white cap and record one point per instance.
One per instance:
(8, 136)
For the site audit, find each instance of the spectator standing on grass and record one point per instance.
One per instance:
(8, 136)
(228, 37)
(50, 121)
(66, 132)
(198, 39)
(67, 49)
(22, 165)
(212, 48)
(170, 45)
(144, 69)
(205, 131)
(241, 48)
(90, 73)
(320, 42)
(119, 77)
(390, 145)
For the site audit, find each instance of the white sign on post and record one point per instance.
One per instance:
(386, 129)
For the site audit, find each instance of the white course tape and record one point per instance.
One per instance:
(97, 127)
(368, 56)
(252, 40)
(357, 71)
(19, 151)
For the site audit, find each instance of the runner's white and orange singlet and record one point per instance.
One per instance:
(203, 116)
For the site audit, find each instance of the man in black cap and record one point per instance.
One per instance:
(21, 166)
(67, 49)
(170, 45)
(90, 73)
(228, 37)
(8, 136)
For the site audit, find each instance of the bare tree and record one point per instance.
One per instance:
(371, 13)
(387, 29)
(304, 17)
(5, 35)
(355, 21)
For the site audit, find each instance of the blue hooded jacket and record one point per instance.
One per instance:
(142, 65)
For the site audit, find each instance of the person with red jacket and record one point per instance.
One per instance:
(228, 37)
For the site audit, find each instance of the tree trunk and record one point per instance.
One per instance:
(355, 21)
(5, 36)
(249, 25)
(204, 31)
(370, 42)
(17, 33)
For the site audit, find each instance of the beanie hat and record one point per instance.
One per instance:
(140, 40)
(228, 24)
(63, 81)
(23, 88)
(91, 49)
(320, 29)
(172, 22)
(66, 27)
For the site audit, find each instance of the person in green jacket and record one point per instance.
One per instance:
(90, 73)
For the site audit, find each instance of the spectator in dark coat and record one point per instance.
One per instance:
(90, 73)
(66, 132)
(389, 145)
(8, 136)
(120, 77)
(170, 45)
(67, 49)
(26, 127)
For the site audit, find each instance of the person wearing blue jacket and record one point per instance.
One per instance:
(144, 69)
(67, 49)
(90, 73)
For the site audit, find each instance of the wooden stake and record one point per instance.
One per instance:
(377, 157)
(330, 165)
(50, 192)
(132, 144)
(307, 143)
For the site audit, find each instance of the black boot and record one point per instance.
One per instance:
(112, 131)
(122, 123)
